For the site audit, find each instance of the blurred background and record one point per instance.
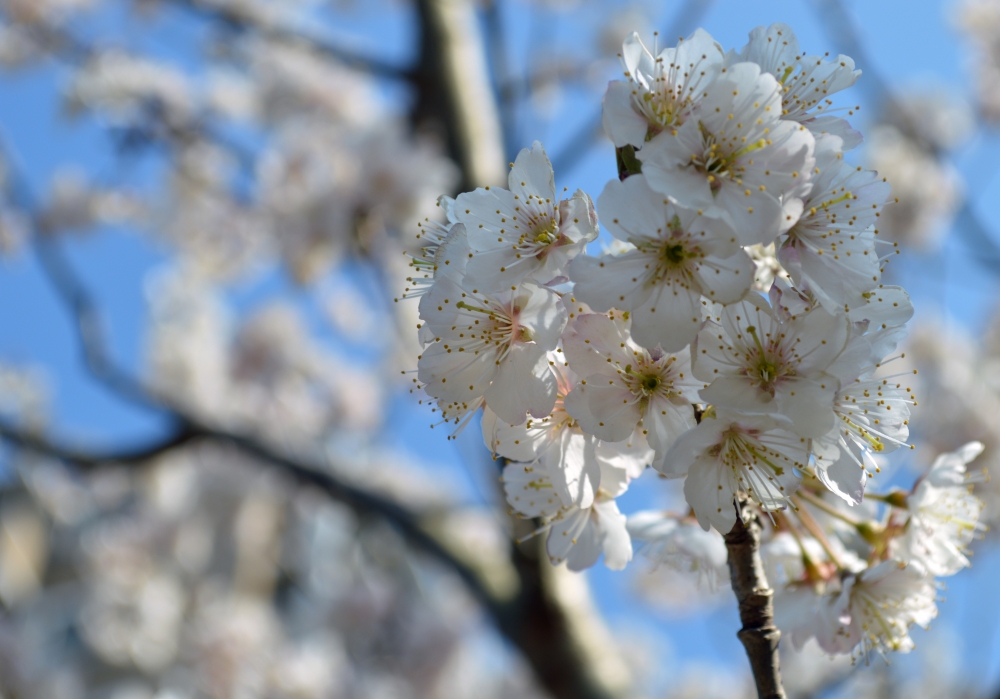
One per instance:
(215, 480)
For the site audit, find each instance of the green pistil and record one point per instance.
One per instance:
(650, 383)
(784, 76)
(675, 254)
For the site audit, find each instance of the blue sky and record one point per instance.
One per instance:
(912, 44)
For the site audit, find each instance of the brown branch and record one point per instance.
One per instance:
(454, 95)
(759, 634)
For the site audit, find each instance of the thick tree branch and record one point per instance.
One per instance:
(454, 93)
(759, 634)
(319, 475)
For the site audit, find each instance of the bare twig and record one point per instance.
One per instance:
(759, 635)
(842, 30)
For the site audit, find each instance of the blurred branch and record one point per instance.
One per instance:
(89, 328)
(34, 441)
(759, 635)
(839, 25)
(547, 614)
(578, 144)
(454, 93)
(244, 21)
(552, 628)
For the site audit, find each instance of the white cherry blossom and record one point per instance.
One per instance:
(492, 347)
(944, 514)
(831, 249)
(875, 610)
(736, 159)
(873, 417)
(443, 248)
(575, 535)
(730, 453)
(806, 81)
(625, 384)
(659, 91)
(571, 458)
(678, 257)
(679, 543)
(526, 232)
(753, 363)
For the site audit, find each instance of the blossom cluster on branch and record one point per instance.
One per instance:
(735, 334)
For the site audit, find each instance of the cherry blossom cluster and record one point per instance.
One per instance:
(734, 334)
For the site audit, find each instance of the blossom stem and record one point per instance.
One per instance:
(759, 635)
(827, 507)
(813, 528)
(807, 558)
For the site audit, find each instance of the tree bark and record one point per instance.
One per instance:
(759, 635)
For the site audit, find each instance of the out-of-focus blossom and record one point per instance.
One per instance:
(132, 89)
(45, 12)
(76, 205)
(925, 191)
(980, 20)
(269, 375)
(24, 550)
